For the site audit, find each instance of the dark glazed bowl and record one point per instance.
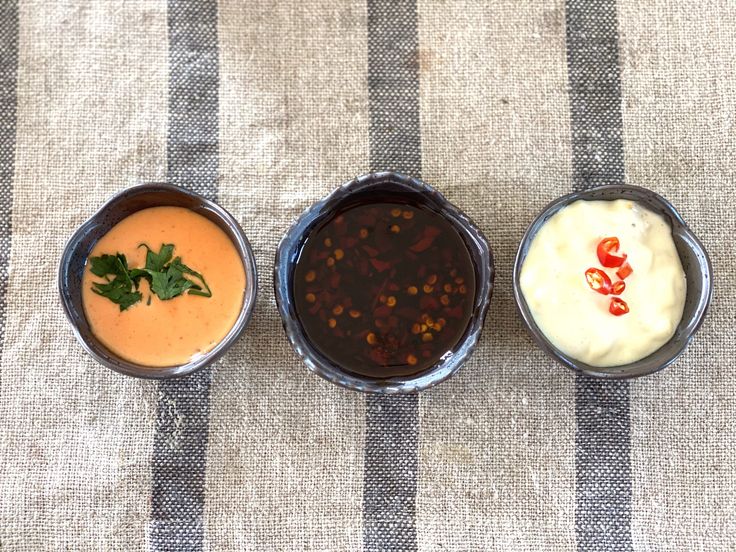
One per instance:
(382, 186)
(695, 262)
(121, 205)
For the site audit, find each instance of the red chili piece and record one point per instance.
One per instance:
(606, 249)
(430, 233)
(380, 265)
(618, 307)
(625, 271)
(598, 280)
(372, 251)
(618, 287)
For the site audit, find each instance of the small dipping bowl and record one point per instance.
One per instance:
(695, 263)
(121, 205)
(383, 187)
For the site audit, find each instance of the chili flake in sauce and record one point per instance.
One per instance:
(384, 289)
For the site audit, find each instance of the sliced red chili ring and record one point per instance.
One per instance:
(598, 280)
(625, 271)
(618, 306)
(606, 249)
(618, 287)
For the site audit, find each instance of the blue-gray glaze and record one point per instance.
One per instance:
(387, 185)
(125, 203)
(695, 263)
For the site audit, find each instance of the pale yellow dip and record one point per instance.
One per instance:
(573, 316)
(171, 332)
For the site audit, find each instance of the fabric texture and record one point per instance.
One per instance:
(392, 423)
(182, 422)
(602, 408)
(266, 107)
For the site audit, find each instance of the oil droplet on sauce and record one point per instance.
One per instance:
(158, 334)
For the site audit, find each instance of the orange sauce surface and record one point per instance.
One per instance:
(171, 332)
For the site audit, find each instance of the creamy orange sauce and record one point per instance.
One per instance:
(172, 332)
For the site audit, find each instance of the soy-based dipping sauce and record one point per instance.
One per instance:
(384, 289)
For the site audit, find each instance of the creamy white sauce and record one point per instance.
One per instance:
(573, 316)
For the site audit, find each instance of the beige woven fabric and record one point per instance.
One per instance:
(679, 63)
(285, 455)
(497, 442)
(286, 448)
(75, 439)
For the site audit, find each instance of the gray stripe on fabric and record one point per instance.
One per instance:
(393, 86)
(603, 437)
(180, 446)
(602, 465)
(8, 112)
(392, 422)
(390, 488)
(595, 93)
(193, 140)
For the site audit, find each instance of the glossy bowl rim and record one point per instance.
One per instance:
(678, 227)
(245, 252)
(334, 374)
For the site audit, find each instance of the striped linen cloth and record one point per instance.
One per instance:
(266, 106)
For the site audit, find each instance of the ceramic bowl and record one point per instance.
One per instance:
(121, 205)
(387, 185)
(695, 262)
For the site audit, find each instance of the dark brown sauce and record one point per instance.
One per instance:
(384, 289)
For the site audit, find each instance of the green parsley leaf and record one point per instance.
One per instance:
(169, 284)
(106, 264)
(196, 289)
(117, 292)
(120, 289)
(157, 261)
(166, 277)
(116, 265)
(136, 274)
